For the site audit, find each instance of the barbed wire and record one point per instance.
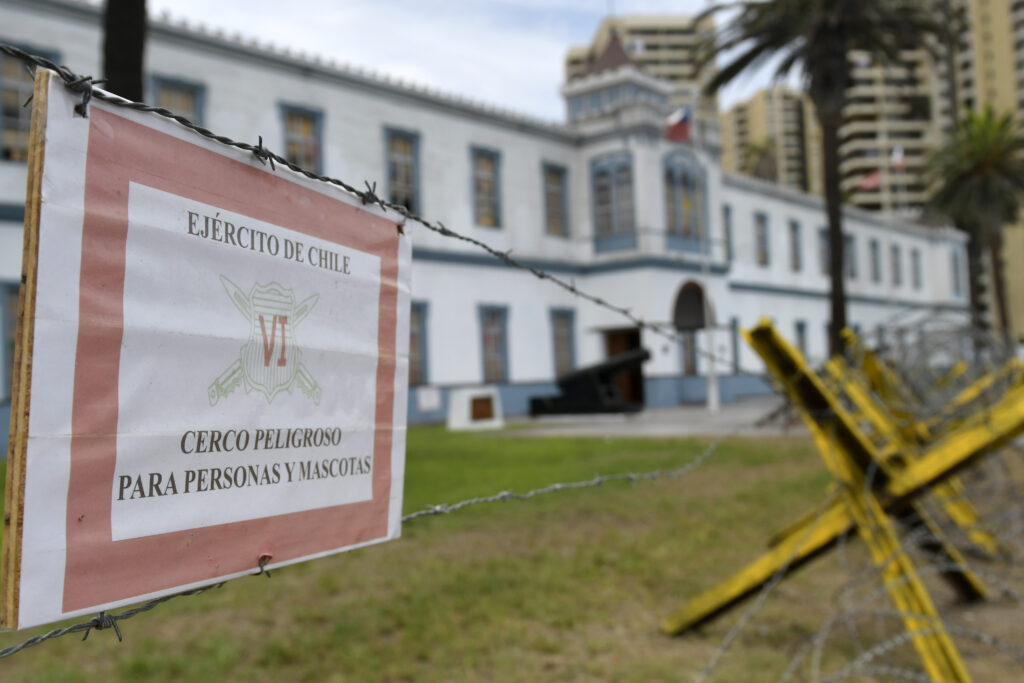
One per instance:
(105, 620)
(762, 596)
(101, 621)
(632, 477)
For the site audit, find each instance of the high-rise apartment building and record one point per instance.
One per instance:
(774, 135)
(988, 53)
(897, 113)
(891, 120)
(663, 46)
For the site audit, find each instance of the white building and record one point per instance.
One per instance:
(604, 201)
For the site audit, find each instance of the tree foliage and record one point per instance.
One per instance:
(816, 38)
(977, 178)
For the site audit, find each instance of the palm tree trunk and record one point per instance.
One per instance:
(995, 251)
(975, 272)
(124, 40)
(830, 122)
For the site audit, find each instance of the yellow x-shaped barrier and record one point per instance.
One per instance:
(875, 481)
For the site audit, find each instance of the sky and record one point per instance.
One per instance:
(508, 53)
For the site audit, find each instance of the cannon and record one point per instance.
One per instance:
(592, 389)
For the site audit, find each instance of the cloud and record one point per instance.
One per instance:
(501, 52)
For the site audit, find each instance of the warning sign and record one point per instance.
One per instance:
(211, 366)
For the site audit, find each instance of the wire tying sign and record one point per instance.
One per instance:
(211, 366)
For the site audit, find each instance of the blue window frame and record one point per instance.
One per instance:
(896, 256)
(876, 260)
(486, 168)
(915, 269)
(727, 231)
(16, 85)
(8, 327)
(402, 149)
(957, 276)
(850, 256)
(563, 340)
(185, 98)
(418, 366)
(685, 192)
(734, 339)
(800, 328)
(824, 251)
(494, 343)
(303, 136)
(556, 199)
(762, 240)
(796, 261)
(611, 179)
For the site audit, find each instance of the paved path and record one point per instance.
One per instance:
(666, 422)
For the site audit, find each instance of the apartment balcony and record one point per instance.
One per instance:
(859, 165)
(869, 126)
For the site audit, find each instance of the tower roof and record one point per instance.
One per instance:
(612, 57)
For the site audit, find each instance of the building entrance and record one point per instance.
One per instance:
(630, 383)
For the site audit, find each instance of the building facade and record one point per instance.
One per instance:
(604, 202)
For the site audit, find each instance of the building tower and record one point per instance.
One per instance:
(663, 46)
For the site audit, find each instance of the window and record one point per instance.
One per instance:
(727, 231)
(302, 136)
(876, 261)
(614, 226)
(958, 285)
(16, 89)
(684, 201)
(493, 334)
(403, 168)
(761, 239)
(417, 343)
(897, 265)
(850, 256)
(801, 336)
(556, 201)
(915, 268)
(734, 339)
(688, 339)
(181, 97)
(562, 339)
(8, 326)
(486, 188)
(795, 247)
(824, 251)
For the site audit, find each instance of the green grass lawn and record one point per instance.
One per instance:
(570, 586)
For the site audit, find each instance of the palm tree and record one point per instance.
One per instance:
(978, 180)
(816, 37)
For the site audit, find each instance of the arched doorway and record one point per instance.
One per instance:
(688, 316)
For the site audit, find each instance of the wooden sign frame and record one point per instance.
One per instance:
(21, 381)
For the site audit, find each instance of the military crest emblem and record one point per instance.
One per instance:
(270, 362)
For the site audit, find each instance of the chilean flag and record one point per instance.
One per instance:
(872, 181)
(677, 125)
